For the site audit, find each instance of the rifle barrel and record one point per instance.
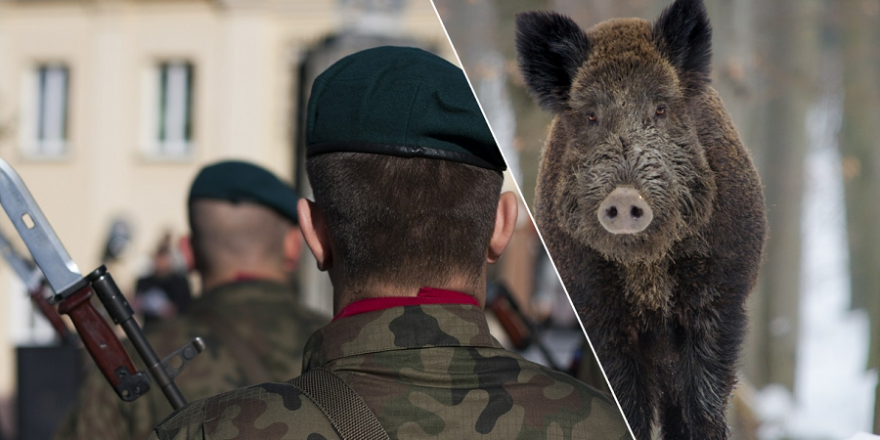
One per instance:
(122, 314)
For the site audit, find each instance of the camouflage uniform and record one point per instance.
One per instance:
(426, 371)
(254, 331)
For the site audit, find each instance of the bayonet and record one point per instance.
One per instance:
(60, 271)
(27, 273)
(73, 294)
(36, 286)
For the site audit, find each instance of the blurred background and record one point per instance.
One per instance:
(109, 108)
(801, 79)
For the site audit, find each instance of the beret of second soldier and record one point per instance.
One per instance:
(399, 101)
(237, 181)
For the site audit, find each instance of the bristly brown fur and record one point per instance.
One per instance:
(664, 307)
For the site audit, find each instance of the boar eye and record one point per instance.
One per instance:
(592, 117)
(661, 111)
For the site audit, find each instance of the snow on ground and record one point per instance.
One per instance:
(834, 395)
(864, 436)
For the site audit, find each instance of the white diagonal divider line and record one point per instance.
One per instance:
(532, 218)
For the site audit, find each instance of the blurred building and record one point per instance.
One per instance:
(109, 107)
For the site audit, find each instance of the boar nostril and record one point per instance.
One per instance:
(626, 221)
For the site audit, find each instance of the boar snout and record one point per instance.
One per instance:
(624, 211)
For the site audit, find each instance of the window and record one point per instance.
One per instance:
(45, 106)
(173, 128)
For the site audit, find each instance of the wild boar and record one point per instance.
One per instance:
(650, 206)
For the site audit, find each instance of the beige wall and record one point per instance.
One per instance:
(244, 54)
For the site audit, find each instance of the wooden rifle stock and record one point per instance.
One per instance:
(104, 346)
(51, 314)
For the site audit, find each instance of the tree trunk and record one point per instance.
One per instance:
(859, 37)
(787, 50)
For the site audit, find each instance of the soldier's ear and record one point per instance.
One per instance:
(292, 248)
(683, 34)
(186, 248)
(314, 230)
(550, 49)
(505, 224)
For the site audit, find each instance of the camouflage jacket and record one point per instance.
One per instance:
(255, 331)
(426, 371)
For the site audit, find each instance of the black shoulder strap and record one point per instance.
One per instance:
(345, 409)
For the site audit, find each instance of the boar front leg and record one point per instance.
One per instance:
(709, 338)
(633, 377)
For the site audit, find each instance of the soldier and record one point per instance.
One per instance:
(407, 215)
(246, 242)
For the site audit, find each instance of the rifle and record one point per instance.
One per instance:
(36, 286)
(522, 331)
(73, 292)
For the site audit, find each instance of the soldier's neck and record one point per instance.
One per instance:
(210, 282)
(345, 294)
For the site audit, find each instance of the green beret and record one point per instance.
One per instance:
(400, 101)
(237, 181)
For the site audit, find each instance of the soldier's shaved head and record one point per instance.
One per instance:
(229, 238)
(406, 222)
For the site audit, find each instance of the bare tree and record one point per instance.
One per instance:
(858, 26)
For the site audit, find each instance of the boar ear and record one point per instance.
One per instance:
(684, 36)
(550, 48)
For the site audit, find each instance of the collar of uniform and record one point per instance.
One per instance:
(399, 328)
(226, 296)
(426, 295)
